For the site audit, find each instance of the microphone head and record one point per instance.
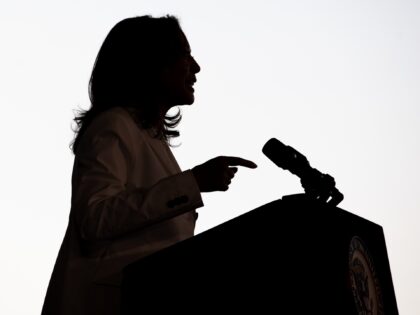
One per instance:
(285, 157)
(276, 151)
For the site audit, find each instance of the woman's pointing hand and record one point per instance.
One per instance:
(217, 173)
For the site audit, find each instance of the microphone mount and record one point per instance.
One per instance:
(317, 185)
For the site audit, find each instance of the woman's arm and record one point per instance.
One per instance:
(102, 204)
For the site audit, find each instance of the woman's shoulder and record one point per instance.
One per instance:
(112, 116)
(113, 124)
(121, 122)
(109, 123)
(115, 119)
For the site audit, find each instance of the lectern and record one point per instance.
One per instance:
(291, 256)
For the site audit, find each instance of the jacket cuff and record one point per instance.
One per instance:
(190, 186)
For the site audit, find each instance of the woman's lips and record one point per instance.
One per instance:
(190, 84)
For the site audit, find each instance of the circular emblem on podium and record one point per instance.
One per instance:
(363, 281)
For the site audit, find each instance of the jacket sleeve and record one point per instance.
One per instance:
(104, 206)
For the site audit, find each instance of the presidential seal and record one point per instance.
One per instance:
(364, 283)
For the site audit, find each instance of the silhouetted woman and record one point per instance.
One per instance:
(129, 196)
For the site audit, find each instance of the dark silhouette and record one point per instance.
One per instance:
(134, 209)
(295, 255)
(129, 196)
(128, 68)
(317, 185)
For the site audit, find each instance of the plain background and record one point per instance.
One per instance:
(337, 80)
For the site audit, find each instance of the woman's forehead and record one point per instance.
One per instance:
(184, 41)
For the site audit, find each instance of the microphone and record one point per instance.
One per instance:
(317, 185)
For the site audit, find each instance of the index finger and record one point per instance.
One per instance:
(237, 161)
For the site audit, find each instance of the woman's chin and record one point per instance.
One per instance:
(184, 98)
(188, 98)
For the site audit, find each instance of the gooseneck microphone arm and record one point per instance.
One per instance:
(317, 185)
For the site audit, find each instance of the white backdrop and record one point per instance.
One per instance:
(338, 80)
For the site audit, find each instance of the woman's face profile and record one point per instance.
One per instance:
(179, 77)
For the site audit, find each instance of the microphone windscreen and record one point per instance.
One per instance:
(277, 152)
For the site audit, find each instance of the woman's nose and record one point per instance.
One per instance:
(195, 66)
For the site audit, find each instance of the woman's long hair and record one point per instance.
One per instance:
(126, 73)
